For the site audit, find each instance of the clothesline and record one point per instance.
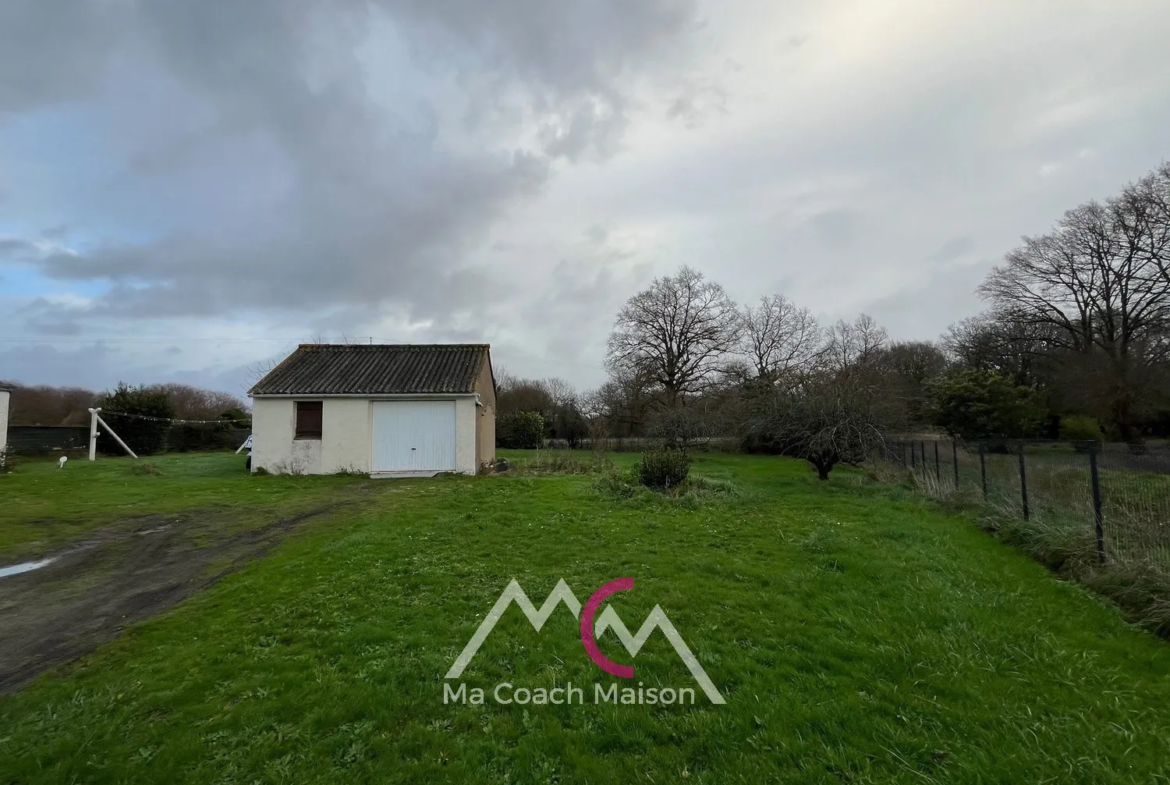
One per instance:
(222, 420)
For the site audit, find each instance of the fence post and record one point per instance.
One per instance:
(937, 465)
(1024, 485)
(955, 461)
(1098, 517)
(983, 469)
(922, 447)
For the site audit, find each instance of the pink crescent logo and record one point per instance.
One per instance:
(590, 643)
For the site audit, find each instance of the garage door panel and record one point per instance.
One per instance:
(413, 436)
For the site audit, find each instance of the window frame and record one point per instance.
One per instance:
(306, 434)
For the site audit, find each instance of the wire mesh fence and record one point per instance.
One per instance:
(1115, 496)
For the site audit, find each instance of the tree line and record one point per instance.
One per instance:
(1075, 342)
(45, 405)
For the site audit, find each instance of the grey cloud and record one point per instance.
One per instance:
(593, 126)
(52, 51)
(367, 208)
(99, 366)
(922, 309)
(837, 228)
(697, 103)
(64, 329)
(16, 248)
(952, 250)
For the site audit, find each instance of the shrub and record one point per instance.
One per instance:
(520, 431)
(974, 404)
(664, 469)
(145, 433)
(1080, 429)
(615, 483)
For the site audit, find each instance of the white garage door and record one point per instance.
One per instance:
(414, 436)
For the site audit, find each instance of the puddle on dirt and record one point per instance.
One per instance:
(27, 566)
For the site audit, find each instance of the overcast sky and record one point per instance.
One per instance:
(189, 189)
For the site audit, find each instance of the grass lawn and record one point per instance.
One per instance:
(43, 507)
(857, 634)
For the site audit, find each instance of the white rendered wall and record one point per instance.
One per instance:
(465, 418)
(273, 446)
(345, 437)
(3, 420)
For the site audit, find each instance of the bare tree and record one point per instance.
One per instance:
(194, 403)
(907, 367)
(849, 345)
(675, 333)
(778, 337)
(991, 342)
(1090, 283)
(1143, 216)
(830, 419)
(44, 405)
(624, 403)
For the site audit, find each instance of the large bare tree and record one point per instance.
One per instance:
(1143, 216)
(1092, 285)
(989, 342)
(675, 333)
(779, 337)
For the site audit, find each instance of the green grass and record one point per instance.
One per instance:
(858, 634)
(45, 507)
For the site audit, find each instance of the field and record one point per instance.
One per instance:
(858, 634)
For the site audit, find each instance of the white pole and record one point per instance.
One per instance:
(93, 418)
(117, 438)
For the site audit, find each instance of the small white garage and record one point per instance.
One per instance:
(402, 410)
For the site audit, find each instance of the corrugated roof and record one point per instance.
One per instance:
(376, 369)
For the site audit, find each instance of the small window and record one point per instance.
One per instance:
(308, 419)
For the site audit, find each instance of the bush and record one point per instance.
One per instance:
(1080, 429)
(975, 405)
(145, 433)
(520, 431)
(615, 483)
(188, 437)
(664, 469)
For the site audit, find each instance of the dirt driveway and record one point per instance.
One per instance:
(96, 587)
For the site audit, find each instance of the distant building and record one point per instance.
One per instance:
(385, 410)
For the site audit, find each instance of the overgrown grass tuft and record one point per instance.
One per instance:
(144, 468)
(545, 462)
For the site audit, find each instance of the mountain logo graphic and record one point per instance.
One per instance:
(592, 628)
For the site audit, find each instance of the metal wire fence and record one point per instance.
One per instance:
(1117, 495)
